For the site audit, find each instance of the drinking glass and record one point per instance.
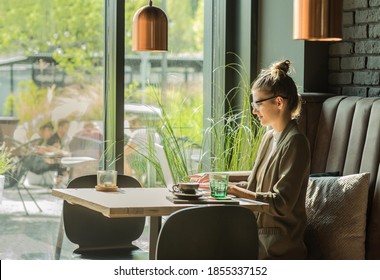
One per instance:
(107, 178)
(218, 185)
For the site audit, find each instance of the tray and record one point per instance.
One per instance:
(202, 200)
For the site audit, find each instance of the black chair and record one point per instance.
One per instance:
(222, 232)
(100, 237)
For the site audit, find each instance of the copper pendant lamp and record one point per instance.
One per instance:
(150, 29)
(318, 20)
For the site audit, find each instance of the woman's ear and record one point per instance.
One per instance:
(280, 102)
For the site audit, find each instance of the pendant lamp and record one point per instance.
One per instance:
(150, 30)
(318, 20)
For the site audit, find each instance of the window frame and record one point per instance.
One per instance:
(227, 23)
(114, 84)
(231, 27)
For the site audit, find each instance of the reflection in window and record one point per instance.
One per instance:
(51, 65)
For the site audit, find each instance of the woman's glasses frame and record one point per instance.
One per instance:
(256, 104)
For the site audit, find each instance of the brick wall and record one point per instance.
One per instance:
(354, 63)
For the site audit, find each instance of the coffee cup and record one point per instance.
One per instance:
(186, 187)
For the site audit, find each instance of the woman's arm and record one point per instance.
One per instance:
(240, 192)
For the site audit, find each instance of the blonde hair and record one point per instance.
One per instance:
(275, 80)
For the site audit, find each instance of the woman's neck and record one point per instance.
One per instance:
(281, 123)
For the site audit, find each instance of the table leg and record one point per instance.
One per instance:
(155, 226)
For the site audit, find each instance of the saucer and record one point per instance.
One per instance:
(188, 195)
(106, 189)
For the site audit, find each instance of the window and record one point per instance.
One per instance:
(66, 60)
(60, 68)
(164, 94)
(51, 65)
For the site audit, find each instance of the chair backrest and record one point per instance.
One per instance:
(222, 232)
(348, 141)
(161, 156)
(94, 232)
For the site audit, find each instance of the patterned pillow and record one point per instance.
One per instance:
(336, 210)
(325, 174)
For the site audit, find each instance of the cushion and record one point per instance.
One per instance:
(336, 217)
(325, 174)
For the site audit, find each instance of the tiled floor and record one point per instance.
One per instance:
(30, 233)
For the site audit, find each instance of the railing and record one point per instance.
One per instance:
(44, 71)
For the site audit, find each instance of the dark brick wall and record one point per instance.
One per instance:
(354, 63)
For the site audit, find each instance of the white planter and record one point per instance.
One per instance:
(2, 180)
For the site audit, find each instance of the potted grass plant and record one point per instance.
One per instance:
(229, 143)
(174, 148)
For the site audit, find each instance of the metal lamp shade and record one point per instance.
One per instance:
(150, 30)
(318, 20)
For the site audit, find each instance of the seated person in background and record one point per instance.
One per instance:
(88, 142)
(45, 133)
(47, 153)
(90, 131)
(59, 138)
(138, 147)
(39, 160)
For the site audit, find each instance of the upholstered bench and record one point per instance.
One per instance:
(343, 203)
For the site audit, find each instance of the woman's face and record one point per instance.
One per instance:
(46, 133)
(264, 105)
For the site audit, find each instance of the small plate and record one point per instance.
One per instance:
(106, 189)
(188, 195)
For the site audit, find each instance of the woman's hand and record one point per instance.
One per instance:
(240, 192)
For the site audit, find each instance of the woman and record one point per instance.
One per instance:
(280, 173)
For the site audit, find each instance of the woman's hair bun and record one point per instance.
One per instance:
(281, 68)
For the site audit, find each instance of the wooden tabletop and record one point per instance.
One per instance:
(133, 202)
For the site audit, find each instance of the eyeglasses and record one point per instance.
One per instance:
(256, 104)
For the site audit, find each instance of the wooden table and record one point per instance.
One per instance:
(136, 202)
